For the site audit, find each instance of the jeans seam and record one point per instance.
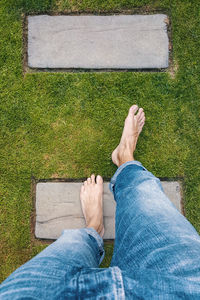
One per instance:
(119, 293)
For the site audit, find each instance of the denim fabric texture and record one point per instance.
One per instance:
(156, 252)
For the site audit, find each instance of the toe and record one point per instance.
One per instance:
(85, 183)
(142, 119)
(89, 180)
(133, 109)
(141, 126)
(99, 180)
(93, 178)
(142, 116)
(140, 113)
(142, 122)
(82, 188)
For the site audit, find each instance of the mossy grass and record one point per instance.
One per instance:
(67, 124)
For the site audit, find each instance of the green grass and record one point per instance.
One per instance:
(66, 125)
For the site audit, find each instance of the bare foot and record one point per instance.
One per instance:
(132, 128)
(91, 196)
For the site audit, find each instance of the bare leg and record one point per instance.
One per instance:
(132, 128)
(91, 196)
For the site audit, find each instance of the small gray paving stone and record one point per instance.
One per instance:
(58, 207)
(98, 42)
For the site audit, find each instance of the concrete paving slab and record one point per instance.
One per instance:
(98, 42)
(58, 207)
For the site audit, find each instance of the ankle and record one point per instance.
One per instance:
(95, 226)
(124, 157)
(123, 161)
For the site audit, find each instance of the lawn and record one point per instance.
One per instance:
(67, 124)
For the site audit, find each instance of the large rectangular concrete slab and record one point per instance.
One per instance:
(98, 42)
(58, 207)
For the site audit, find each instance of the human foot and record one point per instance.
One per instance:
(91, 196)
(132, 128)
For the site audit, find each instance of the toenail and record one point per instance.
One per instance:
(134, 106)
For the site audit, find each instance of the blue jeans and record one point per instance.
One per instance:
(156, 252)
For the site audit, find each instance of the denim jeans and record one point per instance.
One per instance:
(156, 252)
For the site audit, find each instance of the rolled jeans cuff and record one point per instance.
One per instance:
(114, 178)
(92, 232)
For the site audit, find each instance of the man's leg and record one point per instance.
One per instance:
(51, 274)
(150, 231)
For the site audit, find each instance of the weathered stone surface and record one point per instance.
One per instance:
(96, 42)
(58, 207)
